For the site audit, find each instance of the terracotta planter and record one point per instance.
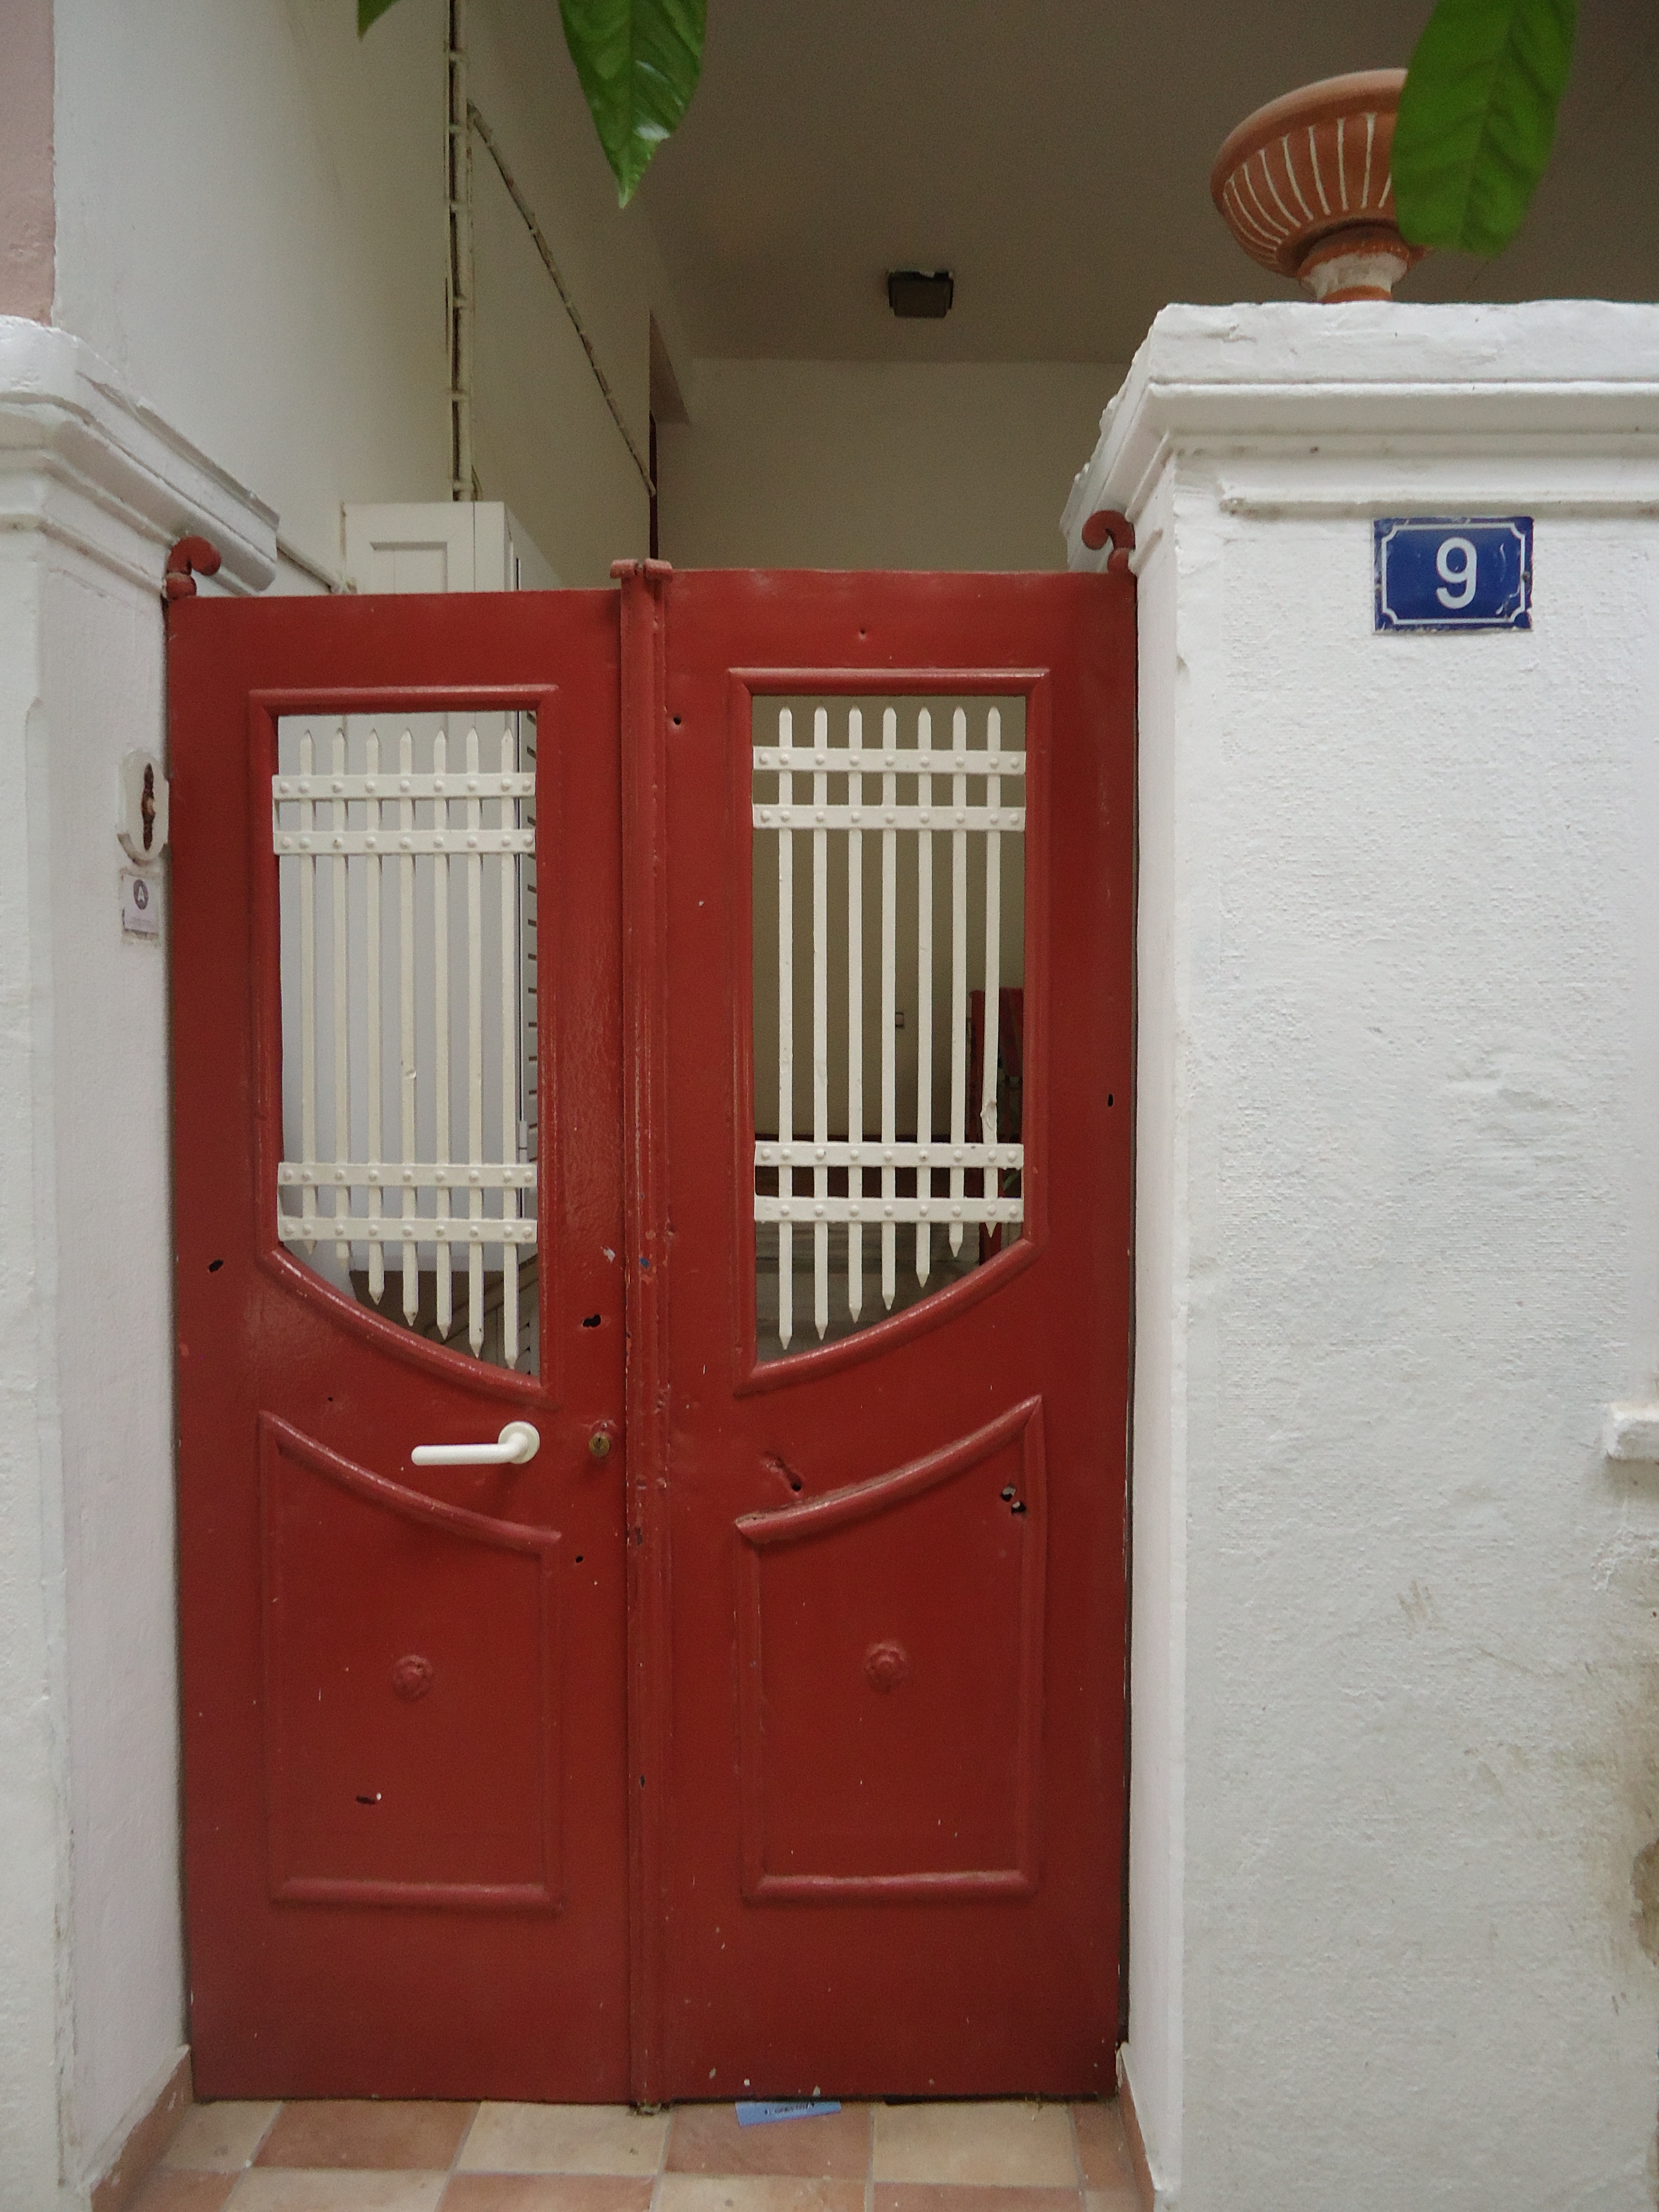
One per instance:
(1304, 186)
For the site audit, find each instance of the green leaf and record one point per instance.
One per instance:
(638, 61)
(367, 11)
(1477, 117)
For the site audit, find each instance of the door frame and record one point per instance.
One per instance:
(645, 1052)
(644, 739)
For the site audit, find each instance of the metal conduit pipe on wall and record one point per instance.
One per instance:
(464, 117)
(457, 157)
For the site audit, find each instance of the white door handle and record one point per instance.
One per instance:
(519, 1442)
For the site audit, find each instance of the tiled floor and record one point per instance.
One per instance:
(604, 2158)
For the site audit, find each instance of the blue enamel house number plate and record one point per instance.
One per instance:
(1453, 571)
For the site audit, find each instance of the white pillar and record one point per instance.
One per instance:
(1395, 1663)
(93, 488)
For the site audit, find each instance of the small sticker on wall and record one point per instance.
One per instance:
(141, 902)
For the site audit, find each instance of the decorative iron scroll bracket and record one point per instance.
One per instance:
(1107, 526)
(189, 554)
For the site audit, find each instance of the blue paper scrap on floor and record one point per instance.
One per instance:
(1451, 572)
(756, 2114)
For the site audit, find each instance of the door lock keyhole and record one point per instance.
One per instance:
(600, 1443)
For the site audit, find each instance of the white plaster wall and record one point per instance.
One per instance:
(863, 465)
(1396, 1655)
(1158, 1433)
(544, 439)
(33, 1760)
(251, 229)
(91, 1972)
(104, 1085)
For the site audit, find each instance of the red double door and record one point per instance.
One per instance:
(764, 1730)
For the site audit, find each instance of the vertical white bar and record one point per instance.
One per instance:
(924, 998)
(510, 1002)
(342, 980)
(888, 1001)
(445, 1199)
(474, 864)
(958, 973)
(988, 1110)
(820, 1023)
(785, 1031)
(376, 1020)
(854, 1016)
(406, 1029)
(307, 990)
(529, 967)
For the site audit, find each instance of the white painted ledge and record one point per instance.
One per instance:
(1442, 398)
(1631, 1433)
(84, 462)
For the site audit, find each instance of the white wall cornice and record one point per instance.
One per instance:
(1445, 395)
(86, 463)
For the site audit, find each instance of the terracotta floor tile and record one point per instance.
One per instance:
(547, 2192)
(972, 2197)
(564, 2139)
(708, 2139)
(367, 2134)
(169, 2192)
(219, 2138)
(1102, 2148)
(756, 2193)
(994, 2144)
(1122, 2196)
(294, 2189)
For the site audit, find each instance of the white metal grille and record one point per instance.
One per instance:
(406, 859)
(943, 936)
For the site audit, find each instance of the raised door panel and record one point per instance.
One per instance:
(890, 1672)
(411, 1692)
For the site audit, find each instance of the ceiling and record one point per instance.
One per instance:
(1056, 154)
